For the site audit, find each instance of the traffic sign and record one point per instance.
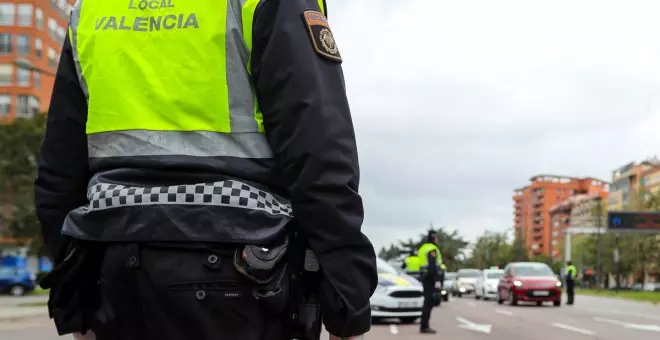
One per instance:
(633, 221)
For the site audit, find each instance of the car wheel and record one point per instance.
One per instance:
(446, 298)
(539, 303)
(476, 296)
(17, 290)
(408, 320)
(557, 303)
(512, 299)
(499, 298)
(460, 294)
(483, 293)
(376, 320)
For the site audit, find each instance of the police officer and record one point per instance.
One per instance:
(430, 261)
(571, 276)
(181, 131)
(411, 264)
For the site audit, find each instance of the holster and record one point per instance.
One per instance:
(285, 275)
(267, 268)
(73, 283)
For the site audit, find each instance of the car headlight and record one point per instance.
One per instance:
(517, 283)
(558, 283)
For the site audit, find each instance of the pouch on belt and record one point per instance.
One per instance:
(74, 296)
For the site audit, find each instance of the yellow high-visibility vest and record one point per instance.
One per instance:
(424, 250)
(413, 264)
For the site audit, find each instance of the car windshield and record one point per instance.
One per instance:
(533, 270)
(385, 268)
(468, 273)
(450, 276)
(494, 275)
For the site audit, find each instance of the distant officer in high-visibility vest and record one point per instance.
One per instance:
(185, 141)
(430, 262)
(571, 277)
(412, 264)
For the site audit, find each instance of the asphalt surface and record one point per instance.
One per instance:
(470, 319)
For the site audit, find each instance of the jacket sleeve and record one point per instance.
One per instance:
(62, 172)
(308, 123)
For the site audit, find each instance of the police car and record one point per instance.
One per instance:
(397, 296)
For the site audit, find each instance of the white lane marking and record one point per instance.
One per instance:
(502, 311)
(629, 325)
(472, 304)
(394, 330)
(573, 329)
(467, 324)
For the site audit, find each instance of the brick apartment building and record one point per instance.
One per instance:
(31, 37)
(579, 211)
(631, 182)
(532, 205)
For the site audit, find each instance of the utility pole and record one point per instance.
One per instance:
(487, 256)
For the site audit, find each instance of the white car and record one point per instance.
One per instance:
(486, 286)
(397, 296)
(465, 280)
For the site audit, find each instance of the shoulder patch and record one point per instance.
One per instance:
(322, 39)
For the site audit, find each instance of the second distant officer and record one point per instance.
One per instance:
(412, 264)
(571, 275)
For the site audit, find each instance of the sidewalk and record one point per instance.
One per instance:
(24, 307)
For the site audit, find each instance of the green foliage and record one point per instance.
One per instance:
(19, 152)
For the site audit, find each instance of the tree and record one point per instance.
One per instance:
(19, 151)
(451, 244)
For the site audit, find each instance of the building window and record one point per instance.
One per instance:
(37, 79)
(5, 105)
(6, 45)
(7, 14)
(38, 47)
(39, 14)
(6, 74)
(52, 28)
(52, 57)
(61, 34)
(25, 15)
(22, 76)
(23, 45)
(26, 106)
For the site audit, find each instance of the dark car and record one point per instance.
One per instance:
(16, 281)
(529, 282)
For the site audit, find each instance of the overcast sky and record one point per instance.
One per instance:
(456, 103)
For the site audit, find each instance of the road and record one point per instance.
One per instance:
(470, 319)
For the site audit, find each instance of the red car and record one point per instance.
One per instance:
(529, 282)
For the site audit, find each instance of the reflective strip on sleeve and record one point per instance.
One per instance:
(225, 193)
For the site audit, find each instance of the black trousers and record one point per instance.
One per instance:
(162, 293)
(429, 303)
(570, 290)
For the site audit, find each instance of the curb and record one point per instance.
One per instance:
(10, 315)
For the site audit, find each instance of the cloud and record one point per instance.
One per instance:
(456, 103)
